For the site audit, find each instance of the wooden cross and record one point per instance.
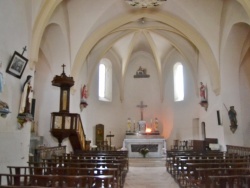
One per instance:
(110, 135)
(141, 106)
(63, 73)
(63, 67)
(24, 49)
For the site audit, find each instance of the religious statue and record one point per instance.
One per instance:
(156, 127)
(129, 125)
(25, 104)
(203, 95)
(233, 120)
(83, 103)
(26, 96)
(203, 92)
(4, 109)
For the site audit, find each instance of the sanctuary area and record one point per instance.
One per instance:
(144, 137)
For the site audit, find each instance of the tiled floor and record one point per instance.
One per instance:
(144, 174)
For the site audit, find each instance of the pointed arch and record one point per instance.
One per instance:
(188, 31)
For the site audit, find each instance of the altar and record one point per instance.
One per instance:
(156, 145)
(144, 135)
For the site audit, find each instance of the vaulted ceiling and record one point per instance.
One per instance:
(125, 30)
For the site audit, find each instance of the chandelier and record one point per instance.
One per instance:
(145, 3)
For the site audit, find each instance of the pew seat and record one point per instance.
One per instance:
(83, 181)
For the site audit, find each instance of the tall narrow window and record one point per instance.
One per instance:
(178, 82)
(105, 80)
(102, 79)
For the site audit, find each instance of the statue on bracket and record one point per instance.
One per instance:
(25, 104)
(203, 95)
(233, 120)
(4, 109)
(232, 117)
(83, 103)
(156, 125)
(129, 123)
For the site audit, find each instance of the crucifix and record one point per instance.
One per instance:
(141, 106)
(110, 135)
(63, 66)
(24, 49)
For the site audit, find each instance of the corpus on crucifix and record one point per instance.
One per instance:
(141, 106)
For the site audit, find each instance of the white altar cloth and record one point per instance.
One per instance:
(155, 143)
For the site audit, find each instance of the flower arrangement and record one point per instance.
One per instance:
(144, 151)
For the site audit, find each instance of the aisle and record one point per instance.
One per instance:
(146, 173)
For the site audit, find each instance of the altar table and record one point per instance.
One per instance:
(155, 143)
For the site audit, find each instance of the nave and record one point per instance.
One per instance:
(148, 173)
(113, 169)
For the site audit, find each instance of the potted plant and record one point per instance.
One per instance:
(144, 151)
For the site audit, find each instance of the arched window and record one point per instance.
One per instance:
(105, 80)
(178, 82)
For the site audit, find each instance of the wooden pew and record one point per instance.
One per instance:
(176, 165)
(192, 173)
(85, 161)
(101, 154)
(121, 172)
(122, 161)
(240, 150)
(173, 157)
(76, 162)
(60, 181)
(73, 181)
(15, 180)
(203, 175)
(230, 181)
(182, 168)
(27, 170)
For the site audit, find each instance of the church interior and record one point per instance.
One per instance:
(123, 75)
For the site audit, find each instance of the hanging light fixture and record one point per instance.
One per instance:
(145, 3)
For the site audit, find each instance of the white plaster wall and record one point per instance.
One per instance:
(90, 20)
(230, 92)
(14, 29)
(179, 115)
(245, 99)
(244, 86)
(54, 53)
(213, 130)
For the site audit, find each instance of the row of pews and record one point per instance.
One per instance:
(99, 169)
(209, 169)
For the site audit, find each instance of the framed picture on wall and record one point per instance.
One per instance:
(17, 65)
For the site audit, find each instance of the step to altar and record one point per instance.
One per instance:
(147, 162)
